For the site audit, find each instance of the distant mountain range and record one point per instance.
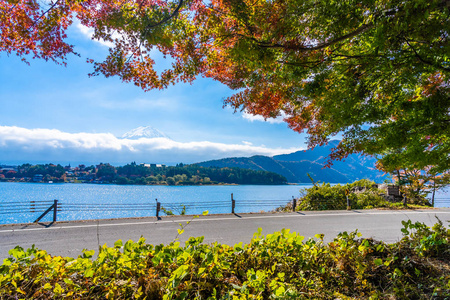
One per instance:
(295, 166)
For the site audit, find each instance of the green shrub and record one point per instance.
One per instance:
(327, 197)
(323, 197)
(281, 265)
(367, 200)
(427, 241)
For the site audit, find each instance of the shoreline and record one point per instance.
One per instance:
(201, 184)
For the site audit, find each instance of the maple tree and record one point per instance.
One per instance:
(375, 71)
(28, 29)
(416, 184)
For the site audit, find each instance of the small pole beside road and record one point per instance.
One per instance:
(233, 204)
(158, 208)
(347, 192)
(55, 209)
(54, 206)
(294, 203)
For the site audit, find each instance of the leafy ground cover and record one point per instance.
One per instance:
(281, 265)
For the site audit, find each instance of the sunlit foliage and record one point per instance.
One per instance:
(376, 71)
(281, 265)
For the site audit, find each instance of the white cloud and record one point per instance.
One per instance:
(252, 118)
(51, 145)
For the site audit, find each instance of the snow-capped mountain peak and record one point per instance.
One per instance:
(144, 132)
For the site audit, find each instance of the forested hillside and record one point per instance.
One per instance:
(297, 165)
(142, 174)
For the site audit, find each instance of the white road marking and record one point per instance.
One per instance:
(224, 219)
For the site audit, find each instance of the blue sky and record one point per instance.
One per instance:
(52, 113)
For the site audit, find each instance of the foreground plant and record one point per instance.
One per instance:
(276, 266)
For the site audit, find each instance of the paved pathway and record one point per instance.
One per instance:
(69, 238)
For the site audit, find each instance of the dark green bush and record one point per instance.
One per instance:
(276, 266)
(328, 197)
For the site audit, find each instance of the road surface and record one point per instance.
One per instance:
(69, 238)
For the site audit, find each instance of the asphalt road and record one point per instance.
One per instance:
(69, 238)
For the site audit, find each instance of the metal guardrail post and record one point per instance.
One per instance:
(158, 208)
(347, 192)
(233, 204)
(55, 209)
(54, 206)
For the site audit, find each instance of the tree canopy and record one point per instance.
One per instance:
(375, 71)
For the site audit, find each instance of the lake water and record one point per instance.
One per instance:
(93, 201)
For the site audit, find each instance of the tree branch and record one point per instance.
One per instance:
(172, 15)
(46, 12)
(354, 33)
(427, 62)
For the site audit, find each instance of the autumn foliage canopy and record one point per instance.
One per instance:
(375, 71)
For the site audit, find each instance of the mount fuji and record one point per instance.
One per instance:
(144, 132)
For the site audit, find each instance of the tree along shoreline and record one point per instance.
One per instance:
(143, 174)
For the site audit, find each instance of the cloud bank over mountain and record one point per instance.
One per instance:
(20, 145)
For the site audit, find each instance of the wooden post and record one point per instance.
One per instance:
(294, 203)
(54, 206)
(55, 209)
(158, 208)
(233, 204)
(347, 192)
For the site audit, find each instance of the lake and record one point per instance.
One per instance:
(96, 201)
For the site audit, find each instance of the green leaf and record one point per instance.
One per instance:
(88, 253)
(319, 236)
(17, 252)
(280, 291)
(89, 273)
(118, 244)
(129, 245)
(7, 261)
(299, 239)
(58, 290)
(47, 286)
